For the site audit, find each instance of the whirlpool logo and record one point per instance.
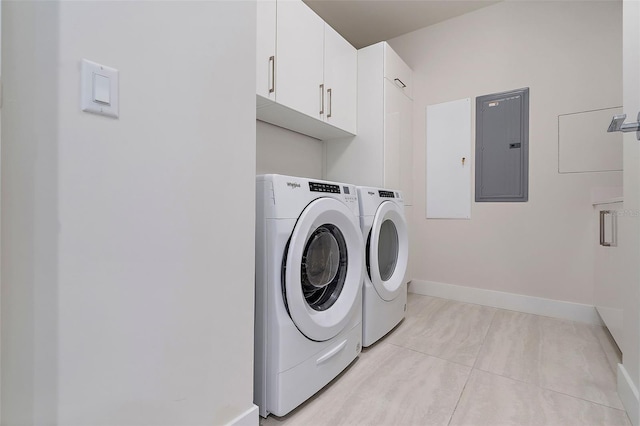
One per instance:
(371, 193)
(293, 185)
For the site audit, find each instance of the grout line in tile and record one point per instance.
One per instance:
(484, 338)
(460, 397)
(441, 359)
(430, 355)
(547, 389)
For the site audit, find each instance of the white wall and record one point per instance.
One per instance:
(127, 294)
(285, 152)
(569, 54)
(0, 178)
(629, 224)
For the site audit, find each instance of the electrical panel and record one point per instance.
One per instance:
(502, 146)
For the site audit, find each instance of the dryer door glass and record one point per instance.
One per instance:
(324, 266)
(387, 249)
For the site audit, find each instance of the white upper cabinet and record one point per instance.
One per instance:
(340, 81)
(396, 71)
(398, 142)
(266, 49)
(398, 124)
(306, 72)
(299, 65)
(381, 155)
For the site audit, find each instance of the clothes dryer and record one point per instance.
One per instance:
(309, 271)
(384, 229)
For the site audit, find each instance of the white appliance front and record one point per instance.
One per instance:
(384, 228)
(309, 269)
(318, 282)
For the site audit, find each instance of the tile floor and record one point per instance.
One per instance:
(452, 363)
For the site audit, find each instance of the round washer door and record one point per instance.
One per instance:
(388, 250)
(324, 269)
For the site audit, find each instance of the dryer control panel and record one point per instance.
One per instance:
(371, 198)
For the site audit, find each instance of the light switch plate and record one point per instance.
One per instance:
(101, 89)
(102, 99)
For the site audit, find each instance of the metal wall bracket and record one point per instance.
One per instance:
(618, 125)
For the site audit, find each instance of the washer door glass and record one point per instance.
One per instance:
(387, 249)
(324, 267)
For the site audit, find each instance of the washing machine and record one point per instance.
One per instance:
(384, 229)
(309, 271)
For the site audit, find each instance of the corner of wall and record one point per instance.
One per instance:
(510, 301)
(628, 395)
(248, 418)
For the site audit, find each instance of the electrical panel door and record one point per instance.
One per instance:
(502, 146)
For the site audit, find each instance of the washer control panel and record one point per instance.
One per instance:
(348, 192)
(324, 187)
(350, 195)
(289, 194)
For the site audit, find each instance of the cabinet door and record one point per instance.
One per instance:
(340, 80)
(406, 150)
(397, 71)
(609, 279)
(299, 65)
(266, 49)
(398, 141)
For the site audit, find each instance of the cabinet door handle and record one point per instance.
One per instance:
(400, 81)
(321, 99)
(603, 241)
(329, 95)
(272, 68)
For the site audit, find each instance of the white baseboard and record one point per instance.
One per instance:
(629, 395)
(248, 418)
(510, 301)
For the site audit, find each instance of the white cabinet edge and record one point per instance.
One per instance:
(614, 200)
(606, 195)
(285, 117)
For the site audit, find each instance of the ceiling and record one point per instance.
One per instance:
(365, 22)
